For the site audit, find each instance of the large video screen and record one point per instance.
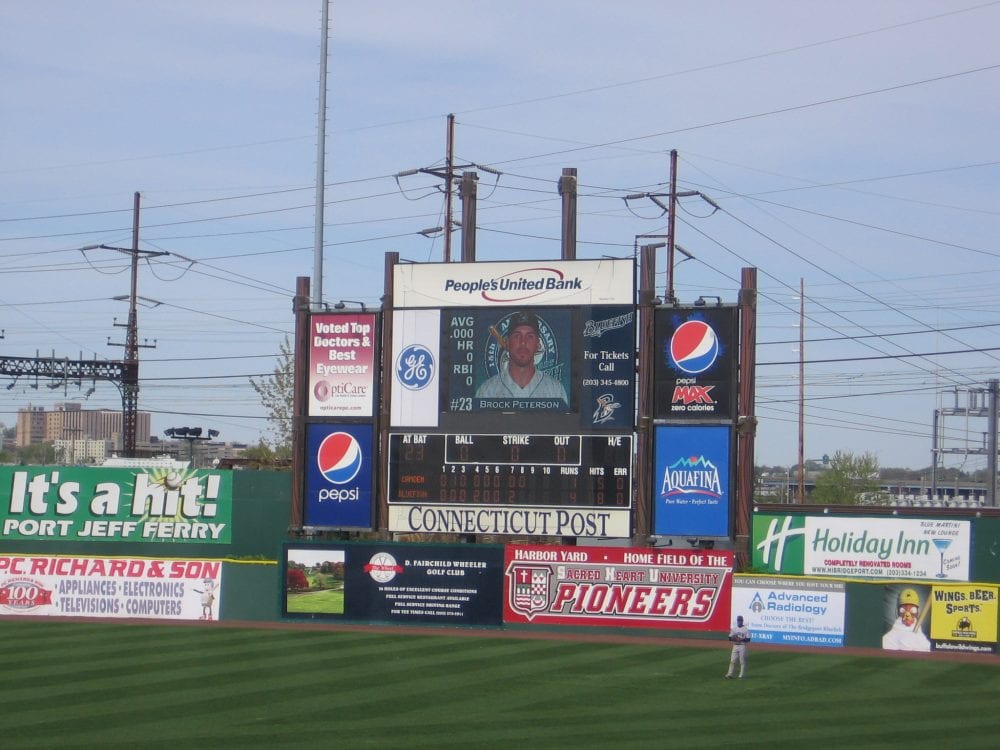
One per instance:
(509, 360)
(542, 362)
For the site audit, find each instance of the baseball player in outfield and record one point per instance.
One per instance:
(740, 636)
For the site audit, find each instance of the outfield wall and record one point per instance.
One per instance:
(898, 581)
(110, 542)
(510, 585)
(201, 544)
(822, 612)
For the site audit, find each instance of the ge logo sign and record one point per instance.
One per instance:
(415, 367)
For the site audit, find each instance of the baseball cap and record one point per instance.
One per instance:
(522, 318)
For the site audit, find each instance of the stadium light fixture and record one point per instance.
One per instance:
(343, 304)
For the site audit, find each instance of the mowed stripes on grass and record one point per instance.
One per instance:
(99, 685)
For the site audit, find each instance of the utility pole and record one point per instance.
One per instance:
(125, 373)
(130, 375)
(802, 391)
(130, 388)
(320, 213)
(449, 177)
(469, 191)
(746, 420)
(991, 458)
(671, 224)
(670, 209)
(466, 189)
(567, 189)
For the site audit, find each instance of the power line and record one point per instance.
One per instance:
(976, 326)
(885, 356)
(887, 230)
(727, 63)
(759, 115)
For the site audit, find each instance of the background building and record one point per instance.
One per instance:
(68, 421)
(30, 426)
(84, 451)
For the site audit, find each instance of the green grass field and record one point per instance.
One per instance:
(82, 685)
(327, 601)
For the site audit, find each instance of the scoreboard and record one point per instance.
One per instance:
(512, 404)
(562, 470)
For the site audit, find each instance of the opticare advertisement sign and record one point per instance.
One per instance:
(791, 611)
(342, 367)
(339, 475)
(617, 586)
(432, 584)
(110, 504)
(119, 587)
(871, 548)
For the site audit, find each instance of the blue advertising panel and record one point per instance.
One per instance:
(441, 584)
(339, 471)
(691, 481)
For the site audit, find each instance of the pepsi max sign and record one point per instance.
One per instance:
(339, 470)
(696, 352)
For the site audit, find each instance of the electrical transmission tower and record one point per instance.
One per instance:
(124, 374)
(979, 403)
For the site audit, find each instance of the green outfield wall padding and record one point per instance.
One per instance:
(261, 513)
(251, 591)
(986, 549)
(863, 616)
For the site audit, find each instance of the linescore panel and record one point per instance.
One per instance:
(510, 469)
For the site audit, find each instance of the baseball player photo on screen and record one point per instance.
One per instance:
(510, 360)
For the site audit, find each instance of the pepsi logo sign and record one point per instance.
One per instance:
(693, 348)
(339, 458)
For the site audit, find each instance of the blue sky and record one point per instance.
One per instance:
(850, 145)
